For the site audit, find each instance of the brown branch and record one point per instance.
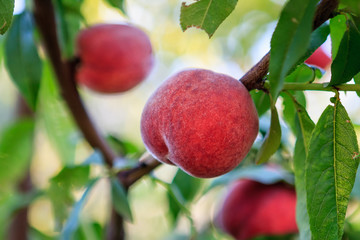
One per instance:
(254, 78)
(145, 166)
(45, 19)
(115, 229)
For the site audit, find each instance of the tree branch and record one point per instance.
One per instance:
(45, 19)
(146, 164)
(254, 78)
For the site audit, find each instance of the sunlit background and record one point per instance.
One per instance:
(239, 42)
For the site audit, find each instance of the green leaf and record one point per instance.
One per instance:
(290, 40)
(261, 100)
(337, 29)
(206, 14)
(330, 172)
(357, 81)
(54, 115)
(89, 231)
(188, 187)
(302, 74)
(16, 144)
(72, 222)
(317, 38)
(69, 21)
(260, 173)
(272, 139)
(123, 147)
(120, 4)
(120, 199)
(22, 59)
(289, 112)
(61, 187)
(346, 63)
(6, 14)
(305, 127)
(353, 5)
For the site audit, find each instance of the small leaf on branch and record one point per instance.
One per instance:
(330, 172)
(61, 187)
(22, 59)
(188, 186)
(206, 14)
(265, 174)
(120, 199)
(301, 74)
(346, 63)
(290, 40)
(72, 222)
(119, 4)
(353, 5)
(6, 14)
(272, 139)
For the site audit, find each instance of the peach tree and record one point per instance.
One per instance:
(204, 122)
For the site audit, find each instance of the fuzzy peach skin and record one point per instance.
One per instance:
(202, 121)
(114, 57)
(252, 209)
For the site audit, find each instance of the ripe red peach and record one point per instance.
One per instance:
(114, 57)
(252, 209)
(319, 59)
(202, 121)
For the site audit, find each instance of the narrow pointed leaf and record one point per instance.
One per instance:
(290, 40)
(206, 14)
(330, 172)
(72, 222)
(272, 139)
(120, 199)
(6, 14)
(119, 4)
(346, 63)
(22, 59)
(305, 127)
